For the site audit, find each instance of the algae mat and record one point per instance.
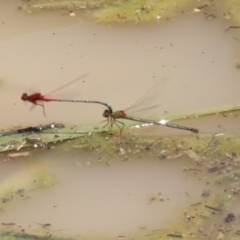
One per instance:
(138, 11)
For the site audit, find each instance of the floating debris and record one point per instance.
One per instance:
(10, 224)
(237, 232)
(20, 154)
(37, 129)
(4, 199)
(230, 217)
(45, 225)
(232, 27)
(211, 16)
(206, 193)
(20, 192)
(176, 235)
(205, 214)
(216, 168)
(213, 208)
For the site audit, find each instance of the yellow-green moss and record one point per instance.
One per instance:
(231, 10)
(141, 11)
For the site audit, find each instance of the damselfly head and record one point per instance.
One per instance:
(24, 97)
(106, 113)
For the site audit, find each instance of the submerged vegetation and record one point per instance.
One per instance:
(122, 11)
(24, 236)
(98, 139)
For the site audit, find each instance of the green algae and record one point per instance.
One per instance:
(207, 145)
(201, 147)
(24, 236)
(141, 11)
(228, 176)
(61, 4)
(47, 135)
(231, 11)
(117, 11)
(137, 11)
(45, 179)
(203, 112)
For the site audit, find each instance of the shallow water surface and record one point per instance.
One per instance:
(123, 62)
(192, 60)
(93, 198)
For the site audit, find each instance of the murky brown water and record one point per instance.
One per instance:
(195, 56)
(108, 200)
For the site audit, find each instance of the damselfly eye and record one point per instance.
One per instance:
(106, 113)
(24, 97)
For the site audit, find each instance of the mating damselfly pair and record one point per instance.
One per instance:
(112, 117)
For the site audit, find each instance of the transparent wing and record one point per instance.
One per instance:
(149, 102)
(70, 86)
